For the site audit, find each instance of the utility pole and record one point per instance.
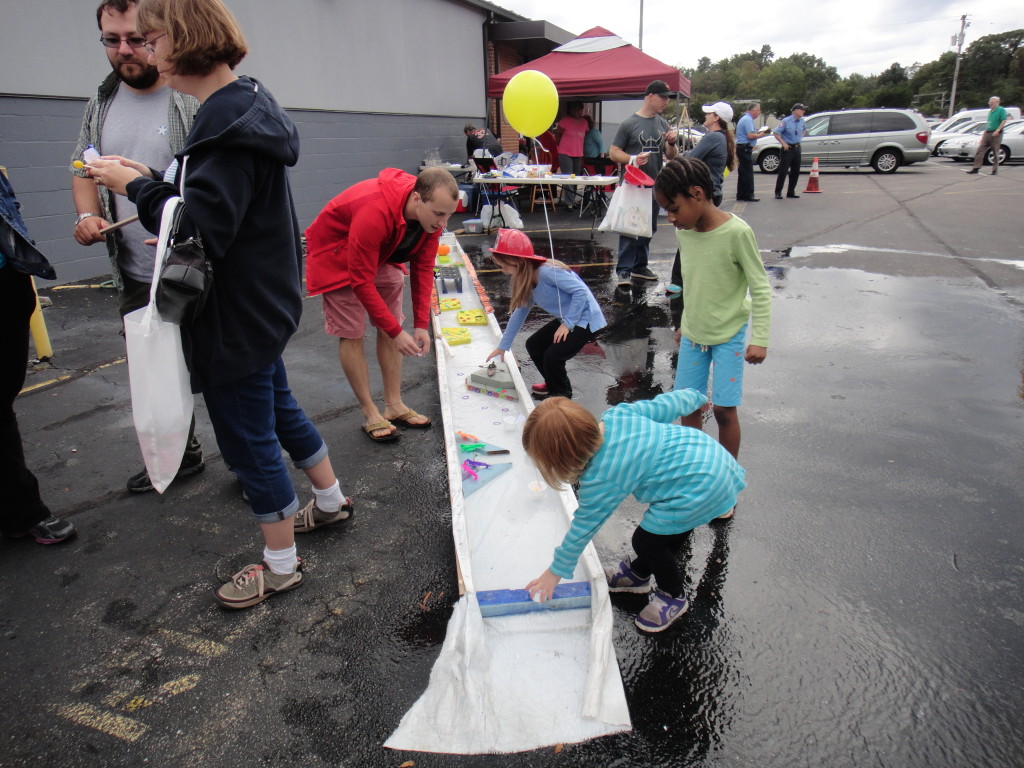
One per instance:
(641, 46)
(958, 41)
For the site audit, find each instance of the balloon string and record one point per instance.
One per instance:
(547, 222)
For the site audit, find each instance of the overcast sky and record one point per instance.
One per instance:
(864, 36)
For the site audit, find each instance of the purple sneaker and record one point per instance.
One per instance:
(623, 579)
(661, 611)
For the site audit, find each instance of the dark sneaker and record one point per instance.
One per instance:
(622, 278)
(542, 387)
(643, 273)
(52, 530)
(661, 611)
(973, 170)
(623, 579)
(254, 584)
(191, 464)
(310, 518)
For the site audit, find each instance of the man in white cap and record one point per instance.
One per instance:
(790, 133)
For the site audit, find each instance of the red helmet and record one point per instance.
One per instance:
(512, 242)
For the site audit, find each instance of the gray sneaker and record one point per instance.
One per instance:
(309, 517)
(623, 579)
(254, 584)
(661, 611)
(643, 273)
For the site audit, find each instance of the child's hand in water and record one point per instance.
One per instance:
(541, 588)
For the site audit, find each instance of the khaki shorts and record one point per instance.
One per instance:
(345, 316)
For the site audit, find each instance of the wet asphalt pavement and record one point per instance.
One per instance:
(863, 608)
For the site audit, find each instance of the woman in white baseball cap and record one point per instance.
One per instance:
(717, 148)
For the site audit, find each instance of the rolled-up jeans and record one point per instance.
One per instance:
(253, 419)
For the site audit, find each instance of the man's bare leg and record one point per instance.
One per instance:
(390, 360)
(353, 363)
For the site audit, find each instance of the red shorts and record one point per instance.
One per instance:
(344, 314)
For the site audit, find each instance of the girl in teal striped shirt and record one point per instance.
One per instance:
(686, 477)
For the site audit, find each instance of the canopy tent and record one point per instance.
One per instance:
(597, 66)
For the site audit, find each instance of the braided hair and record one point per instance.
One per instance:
(682, 173)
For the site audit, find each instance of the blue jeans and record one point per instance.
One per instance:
(253, 419)
(634, 252)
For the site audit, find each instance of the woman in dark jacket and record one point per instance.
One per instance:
(238, 199)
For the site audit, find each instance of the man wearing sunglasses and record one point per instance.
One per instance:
(134, 115)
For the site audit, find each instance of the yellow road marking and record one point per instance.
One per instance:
(182, 684)
(193, 643)
(172, 688)
(118, 726)
(67, 376)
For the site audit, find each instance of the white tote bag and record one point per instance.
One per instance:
(161, 394)
(629, 211)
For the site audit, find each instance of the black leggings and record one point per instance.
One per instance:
(550, 358)
(656, 555)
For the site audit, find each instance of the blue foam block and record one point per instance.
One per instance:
(504, 602)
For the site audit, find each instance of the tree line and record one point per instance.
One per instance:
(991, 65)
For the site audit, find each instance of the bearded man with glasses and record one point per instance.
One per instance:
(134, 115)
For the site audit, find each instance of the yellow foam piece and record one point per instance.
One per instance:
(456, 336)
(472, 317)
(447, 304)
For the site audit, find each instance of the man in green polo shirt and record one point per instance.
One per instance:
(992, 138)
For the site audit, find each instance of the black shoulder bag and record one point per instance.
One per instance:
(187, 275)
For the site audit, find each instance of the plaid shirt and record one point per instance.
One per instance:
(180, 111)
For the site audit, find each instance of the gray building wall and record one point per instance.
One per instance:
(369, 86)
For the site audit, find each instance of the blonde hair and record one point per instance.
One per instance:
(524, 280)
(201, 34)
(561, 436)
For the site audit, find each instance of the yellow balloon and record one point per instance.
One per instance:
(530, 102)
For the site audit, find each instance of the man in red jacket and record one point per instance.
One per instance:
(357, 247)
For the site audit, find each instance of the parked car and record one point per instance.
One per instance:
(959, 129)
(965, 147)
(965, 116)
(885, 139)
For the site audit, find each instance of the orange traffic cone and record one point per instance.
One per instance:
(812, 183)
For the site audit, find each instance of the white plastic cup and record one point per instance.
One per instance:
(510, 423)
(537, 490)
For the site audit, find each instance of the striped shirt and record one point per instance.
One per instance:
(686, 477)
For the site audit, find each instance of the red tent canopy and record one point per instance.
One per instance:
(596, 66)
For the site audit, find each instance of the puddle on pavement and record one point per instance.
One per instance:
(770, 665)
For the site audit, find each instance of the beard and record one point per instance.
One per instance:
(135, 74)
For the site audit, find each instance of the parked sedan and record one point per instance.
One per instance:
(938, 138)
(965, 147)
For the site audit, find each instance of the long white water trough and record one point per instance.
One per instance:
(519, 681)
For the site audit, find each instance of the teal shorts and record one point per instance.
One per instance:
(698, 361)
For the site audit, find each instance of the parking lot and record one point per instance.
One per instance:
(862, 608)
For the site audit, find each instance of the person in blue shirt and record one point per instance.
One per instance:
(557, 290)
(746, 138)
(23, 511)
(790, 133)
(686, 477)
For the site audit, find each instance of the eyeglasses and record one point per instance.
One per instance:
(150, 45)
(115, 42)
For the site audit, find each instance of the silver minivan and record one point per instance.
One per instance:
(885, 139)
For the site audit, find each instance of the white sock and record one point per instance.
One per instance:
(281, 561)
(329, 499)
